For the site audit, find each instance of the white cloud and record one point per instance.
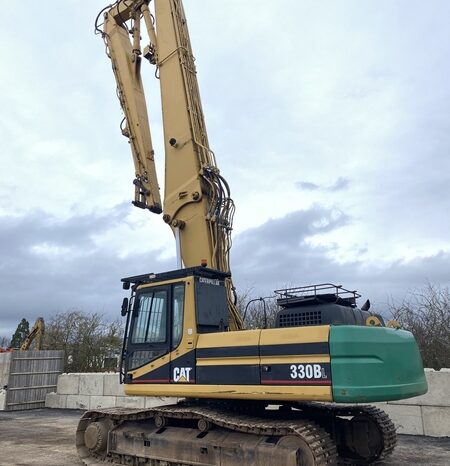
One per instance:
(293, 92)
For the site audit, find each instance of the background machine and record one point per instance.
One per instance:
(250, 397)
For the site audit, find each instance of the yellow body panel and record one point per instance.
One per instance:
(226, 339)
(239, 339)
(232, 353)
(276, 336)
(247, 392)
(296, 359)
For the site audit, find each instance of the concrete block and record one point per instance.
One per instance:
(68, 384)
(154, 401)
(77, 402)
(91, 384)
(130, 402)
(436, 421)
(438, 390)
(5, 364)
(51, 400)
(407, 419)
(111, 385)
(2, 399)
(98, 402)
(54, 400)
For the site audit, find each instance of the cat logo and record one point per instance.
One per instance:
(181, 374)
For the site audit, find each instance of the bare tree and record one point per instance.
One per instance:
(88, 340)
(257, 312)
(4, 342)
(426, 313)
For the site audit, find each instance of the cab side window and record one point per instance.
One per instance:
(177, 320)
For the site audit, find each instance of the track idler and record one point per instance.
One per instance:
(363, 434)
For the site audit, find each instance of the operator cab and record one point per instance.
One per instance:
(160, 307)
(211, 304)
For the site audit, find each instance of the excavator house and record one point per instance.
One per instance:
(296, 394)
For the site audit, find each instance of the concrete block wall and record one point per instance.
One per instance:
(95, 391)
(428, 414)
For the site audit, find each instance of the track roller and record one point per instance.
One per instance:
(204, 425)
(160, 421)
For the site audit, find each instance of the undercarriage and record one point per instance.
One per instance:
(203, 433)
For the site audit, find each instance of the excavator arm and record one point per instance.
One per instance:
(126, 63)
(37, 332)
(197, 204)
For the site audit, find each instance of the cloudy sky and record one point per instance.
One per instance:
(329, 119)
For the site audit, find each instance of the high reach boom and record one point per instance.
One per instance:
(197, 203)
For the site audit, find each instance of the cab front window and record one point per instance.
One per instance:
(150, 323)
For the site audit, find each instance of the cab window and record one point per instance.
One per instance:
(150, 323)
(177, 320)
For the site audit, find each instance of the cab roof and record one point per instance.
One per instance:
(198, 271)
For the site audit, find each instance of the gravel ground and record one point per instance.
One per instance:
(46, 437)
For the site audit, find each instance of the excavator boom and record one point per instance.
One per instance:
(197, 203)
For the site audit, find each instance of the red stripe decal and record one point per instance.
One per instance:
(161, 381)
(296, 382)
(151, 381)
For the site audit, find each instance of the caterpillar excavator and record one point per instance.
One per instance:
(295, 394)
(36, 333)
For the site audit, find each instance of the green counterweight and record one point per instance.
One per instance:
(375, 364)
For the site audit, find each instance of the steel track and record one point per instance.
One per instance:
(318, 440)
(320, 411)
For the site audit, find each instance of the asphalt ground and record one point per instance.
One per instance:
(46, 437)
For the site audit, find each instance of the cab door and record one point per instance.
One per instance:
(182, 364)
(149, 339)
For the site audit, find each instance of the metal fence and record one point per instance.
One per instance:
(32, 375)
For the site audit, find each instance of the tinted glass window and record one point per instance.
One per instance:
(211, 305)
(177, 323)
(139, 358)
(150, 324)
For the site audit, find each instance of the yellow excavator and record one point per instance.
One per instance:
(37, 333)
(295, 394)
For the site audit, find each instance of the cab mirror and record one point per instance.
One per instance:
(124, 307)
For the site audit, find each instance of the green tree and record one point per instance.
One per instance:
(22, 331)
